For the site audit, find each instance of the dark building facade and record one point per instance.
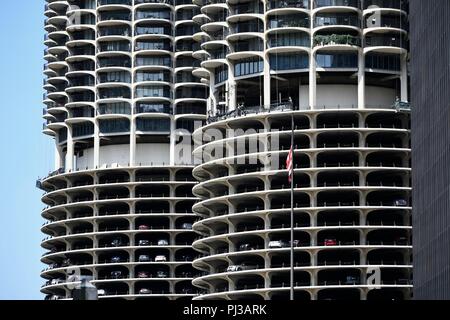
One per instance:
(430, 49)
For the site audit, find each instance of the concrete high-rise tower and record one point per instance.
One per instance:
(339, 69)
(430, 97)
(119, 89)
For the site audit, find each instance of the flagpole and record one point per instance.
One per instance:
(292, 207)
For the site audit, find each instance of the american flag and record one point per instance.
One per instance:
(290, 164)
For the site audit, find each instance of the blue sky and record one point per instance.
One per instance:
(26, 153)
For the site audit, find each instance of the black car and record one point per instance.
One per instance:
(116, 275)
(116, 243)
(116, 259)
(246, 246)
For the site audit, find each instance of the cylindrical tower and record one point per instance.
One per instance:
(120, 92)
(337, 69)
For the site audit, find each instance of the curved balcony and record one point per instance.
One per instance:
(336, 5)
(385, 43)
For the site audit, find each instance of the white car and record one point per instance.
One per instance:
(163, 242)
(101, 293)
(278, 244)
(235, 268)
(160, 258)
(186, 226)
(145, 291)
(400, 203)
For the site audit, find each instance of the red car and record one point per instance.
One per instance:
(144, 227)
(330, 242)
(143, 274)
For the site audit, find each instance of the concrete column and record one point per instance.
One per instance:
(266, 81)
(133, 141)
(231, 89)
(312, 81)
(312, 65)
(59, 158)
(96, 163)
(70, 151)
(404, 78)
(172, 141)
(212, 101)
(361, 80)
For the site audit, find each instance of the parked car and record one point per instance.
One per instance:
(160, 258)
(144, 258)
(162, 274)
(143, 274)
(351, 280)
(186, 226)
(144, 227)
(145, 291)
(101, 292)
(143, 243)
(400, 203)
(330, 242)
(276, 244)
(116, 274)
(57, 281)
(246, 246)
(163, 242)
(116, 243)
(116, 259)
(234, 268)
(66, 263)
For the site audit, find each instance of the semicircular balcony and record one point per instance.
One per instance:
(244, 9)
(381, 41)
(114, 4)
(114, 127)
(217, 54)
(384, 6)
(288, 20)
(212, 7)
(385, 22)
(275, 7)
(336, 22)
(153, 4)
(185, 30)
(80, 55)
(113, 17)
(85, 20)
(190, 93)
(153, 14)
(113, 47)
(115, 32)
(78, 83)
(113, 78)
(246, 28)
(113, 93)
(246, 48)
(152, 30)
(153, 93)
(82, 129)
(186, 13)
(337, 41)
(114, 62)
(152, 124)
(336, 6)
(288, 41)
